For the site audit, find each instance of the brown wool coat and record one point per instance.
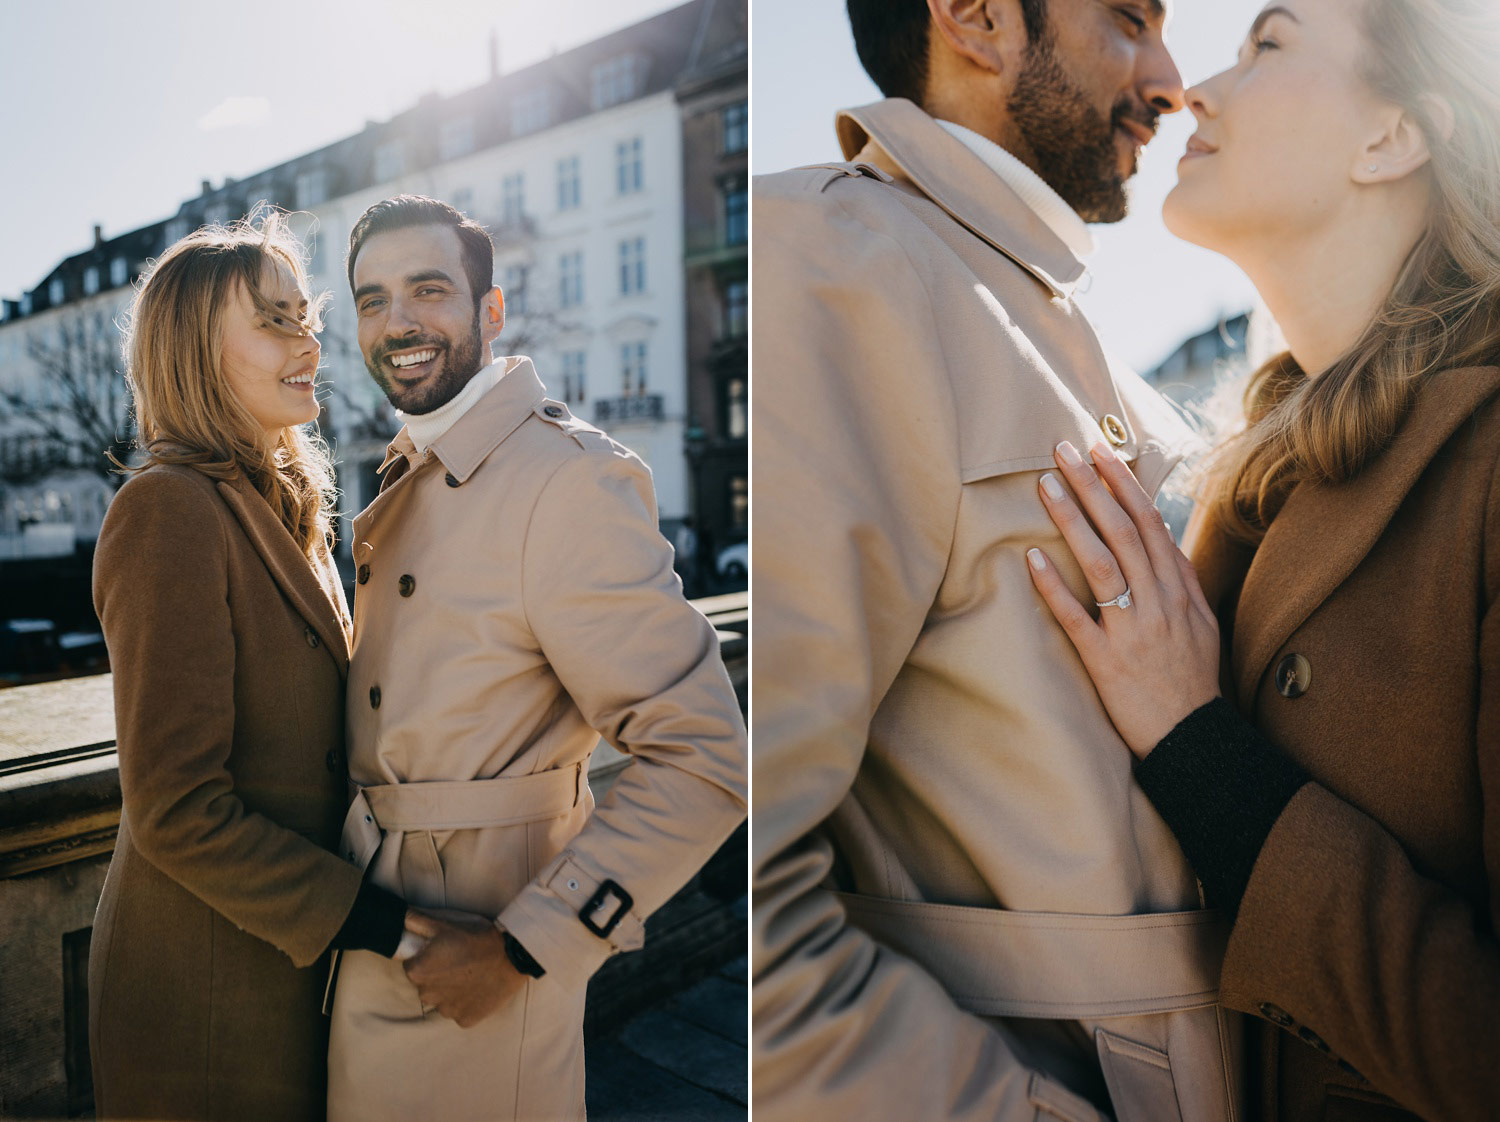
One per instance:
(1368, 929)
(229, 653)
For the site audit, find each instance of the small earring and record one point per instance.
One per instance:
(1373, 168)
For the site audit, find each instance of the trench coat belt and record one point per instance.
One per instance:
(470, 804)
(999, 963)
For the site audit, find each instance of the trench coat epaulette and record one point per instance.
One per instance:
(585, 435)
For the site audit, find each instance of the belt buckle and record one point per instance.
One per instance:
(586, 913)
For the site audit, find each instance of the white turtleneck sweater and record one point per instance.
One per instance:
(1060, 218)
(425, 428)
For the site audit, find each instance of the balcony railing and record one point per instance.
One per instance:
(636, 407)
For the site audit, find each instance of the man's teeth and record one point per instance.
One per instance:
(298, 379)
(400, 362)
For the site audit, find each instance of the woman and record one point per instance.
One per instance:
(1348, 544)
(228, 637)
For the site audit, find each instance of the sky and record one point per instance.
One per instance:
(115, 113)
(1148, 290)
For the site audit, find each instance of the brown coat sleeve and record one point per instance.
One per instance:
(161, 591)
(644, 669)
(857, 481)
(1398, 975)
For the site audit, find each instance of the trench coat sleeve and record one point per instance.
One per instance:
(857, 482)
(643, 667)
(161, 590)
(1398, 975)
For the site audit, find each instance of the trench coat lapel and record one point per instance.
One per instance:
(1322, 533)
(292, 571)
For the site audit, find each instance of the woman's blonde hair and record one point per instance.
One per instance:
(1436, 59)
(186, 412)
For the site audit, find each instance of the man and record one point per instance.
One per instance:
(963, 907)
(514, 602)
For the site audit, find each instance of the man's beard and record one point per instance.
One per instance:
(460, 362)
(1072, 142)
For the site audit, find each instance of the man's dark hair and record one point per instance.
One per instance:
(418, 210)
(891, 38)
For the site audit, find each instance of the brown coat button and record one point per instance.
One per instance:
(408, 584)
(1293, 676)
(374, 697)
(312, 637)
(553, 410)
(1276, 1015)
(1310, 1037)
(331, 760)
(451, 479)
(1114, 429)
(364, 574)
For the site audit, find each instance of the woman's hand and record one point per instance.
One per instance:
(1157, 659)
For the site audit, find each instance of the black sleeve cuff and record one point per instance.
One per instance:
(374, 923)
(1220, 786)
(520, 957)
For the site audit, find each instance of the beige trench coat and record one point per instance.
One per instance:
(514, 603)
(963, 906)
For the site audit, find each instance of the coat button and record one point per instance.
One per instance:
(1349, 1069)
(451, 479)
(1276, 1015)
(364, 574)
(1114, 429)
(312, 637)
(374, 697)
(1309, 1037)
(553, 410)
(408, 584)
(331, 760)
(1293, 676)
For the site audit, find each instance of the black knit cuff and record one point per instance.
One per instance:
(374, 923)
(1220, 785)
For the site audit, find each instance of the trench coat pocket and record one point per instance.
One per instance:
(1053, 1101)
(1139, 1078)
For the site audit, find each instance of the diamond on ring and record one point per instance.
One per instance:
(1120, 601)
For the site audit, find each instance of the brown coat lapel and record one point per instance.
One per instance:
(292, 571)
(1322, 533)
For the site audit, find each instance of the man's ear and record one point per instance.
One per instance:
(988, 33)
(491, 315)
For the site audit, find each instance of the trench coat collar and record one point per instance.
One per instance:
(1322, 533)
(289, 567)
(900, 139)
(487, 423)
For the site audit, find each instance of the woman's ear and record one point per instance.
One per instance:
(1395, 151)
(491, 315)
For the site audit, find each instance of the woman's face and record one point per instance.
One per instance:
(1279, 134)
(272, 373)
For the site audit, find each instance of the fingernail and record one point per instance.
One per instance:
(1037, 561)
(1102, 451)
(1069, 454)
(1053, 488)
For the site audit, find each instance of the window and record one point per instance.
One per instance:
(575, 377)
(56, 291)
(570, 279)
(515, 288)
(463, 199)
(736, 309)
(616, 80)
(736, 413)
(389, 161)
(736, 213)
(531, 112)
(632, 266)
(119, 272)
(317, 248)
(512, 198)
(633, 368)
(739, 501)
(569, 192)
(91, 280)
(456, 138)
(26, 304)
(177, 229)
(216, 215)
(628, 176)
(736, 128)
(311, 188)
